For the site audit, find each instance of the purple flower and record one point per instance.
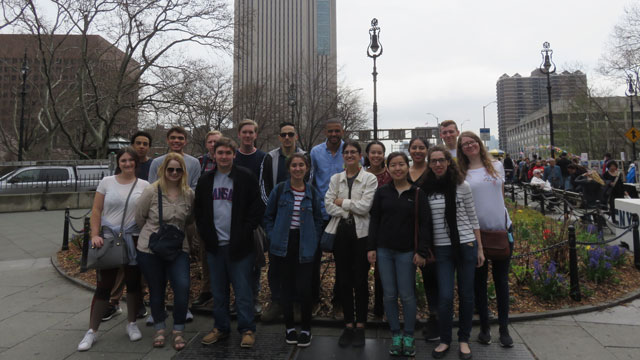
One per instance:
(607, 265)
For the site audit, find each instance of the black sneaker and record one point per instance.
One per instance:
(112, 310)
(142, 313)
(505, 338)
(430, 330)
(347, 337)
(202, 299)
(291, 337)
(304, 339)
(484, 337)
(358, 338)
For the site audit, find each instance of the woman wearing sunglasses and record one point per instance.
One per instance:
(177, 205)
(458, 251)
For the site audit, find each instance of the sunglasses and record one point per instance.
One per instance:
(289, 134)
(176, 170)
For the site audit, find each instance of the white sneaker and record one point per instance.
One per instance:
(134, 332)
(87, 341)
(149, 320)
(189, 316)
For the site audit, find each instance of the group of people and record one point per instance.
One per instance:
(602, 185)
(367, 208)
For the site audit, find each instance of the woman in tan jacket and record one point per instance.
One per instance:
(177, 210)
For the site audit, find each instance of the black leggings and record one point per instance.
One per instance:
(295, 279)
(500, 271)
(352, 267)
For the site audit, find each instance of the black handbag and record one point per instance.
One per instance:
(167, 241)
(114, 252)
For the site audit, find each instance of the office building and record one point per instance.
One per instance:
(520, 96)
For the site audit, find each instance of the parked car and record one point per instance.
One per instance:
(41, 179)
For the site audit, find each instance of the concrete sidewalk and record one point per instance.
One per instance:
(43, 316)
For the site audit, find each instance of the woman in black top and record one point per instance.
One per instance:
(614, 180)
(394, 245)
(418, 151)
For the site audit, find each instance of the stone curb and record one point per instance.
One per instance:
(329, 322)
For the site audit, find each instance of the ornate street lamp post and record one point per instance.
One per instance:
(293, 100)
(548, 67)
(373, 51)
(24, 70)
(631, 92)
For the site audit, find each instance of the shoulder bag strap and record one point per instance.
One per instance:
(415, 232)
(159, 205)
(126, 203)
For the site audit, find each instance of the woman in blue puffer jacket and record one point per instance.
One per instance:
(293, 223)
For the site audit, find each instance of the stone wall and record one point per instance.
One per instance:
(45, 201)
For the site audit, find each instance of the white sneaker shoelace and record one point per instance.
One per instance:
(87, 341)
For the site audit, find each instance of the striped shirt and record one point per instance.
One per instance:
(295, 215)
(465, 215)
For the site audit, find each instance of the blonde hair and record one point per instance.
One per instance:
(463, 160)
(246, 122)
(212, 133)
(594, 175)
(162, 181)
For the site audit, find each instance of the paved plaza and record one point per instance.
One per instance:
(44, 316)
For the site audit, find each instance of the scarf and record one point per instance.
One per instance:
(444, 186)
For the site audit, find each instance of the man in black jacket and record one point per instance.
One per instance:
(227, 209)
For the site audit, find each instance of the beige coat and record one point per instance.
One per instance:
(362, 191)
(178, 213)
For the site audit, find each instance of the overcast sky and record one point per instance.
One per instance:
(445, 56)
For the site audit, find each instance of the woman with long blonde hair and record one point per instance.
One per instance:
(486, 177)
(177, 210)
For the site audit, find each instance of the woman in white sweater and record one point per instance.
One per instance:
(348, 201)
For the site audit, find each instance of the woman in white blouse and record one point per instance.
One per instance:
(486, 178)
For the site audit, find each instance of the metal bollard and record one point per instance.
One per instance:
(542, 203)
(574, 281)
(85, 244)
(65, 232)
(525, 196)
(513, 193)
(566, 209)
(636, 242)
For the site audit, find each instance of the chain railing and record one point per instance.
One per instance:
(69, 225)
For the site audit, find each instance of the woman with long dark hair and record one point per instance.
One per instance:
(418, 148)
(375, 164)
(458, 251)
(113, 212)
(348, 201)
(293, 222)
(486, 177)
(397, 249)
(177, 210)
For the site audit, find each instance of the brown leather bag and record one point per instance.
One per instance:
(495, 243)
(430, 259)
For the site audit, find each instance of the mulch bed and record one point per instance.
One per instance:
(625, 281)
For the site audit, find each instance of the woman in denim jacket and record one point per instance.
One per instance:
(293, 223)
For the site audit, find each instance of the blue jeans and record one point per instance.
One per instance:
(239, 273)
(398, 276)
(465, 269)
(156, 271)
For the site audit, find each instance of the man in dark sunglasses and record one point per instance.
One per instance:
(272, 172)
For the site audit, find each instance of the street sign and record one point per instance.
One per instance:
(633, 134)
(485, 134)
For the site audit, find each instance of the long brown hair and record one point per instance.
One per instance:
(485, 157)
(452, 175)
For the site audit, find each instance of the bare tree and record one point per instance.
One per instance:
(350, 109)
(115, 78)
(622, 56)
(198, 96)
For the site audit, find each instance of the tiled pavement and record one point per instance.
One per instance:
(43, 316)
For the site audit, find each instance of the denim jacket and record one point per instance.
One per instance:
(277, 220)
